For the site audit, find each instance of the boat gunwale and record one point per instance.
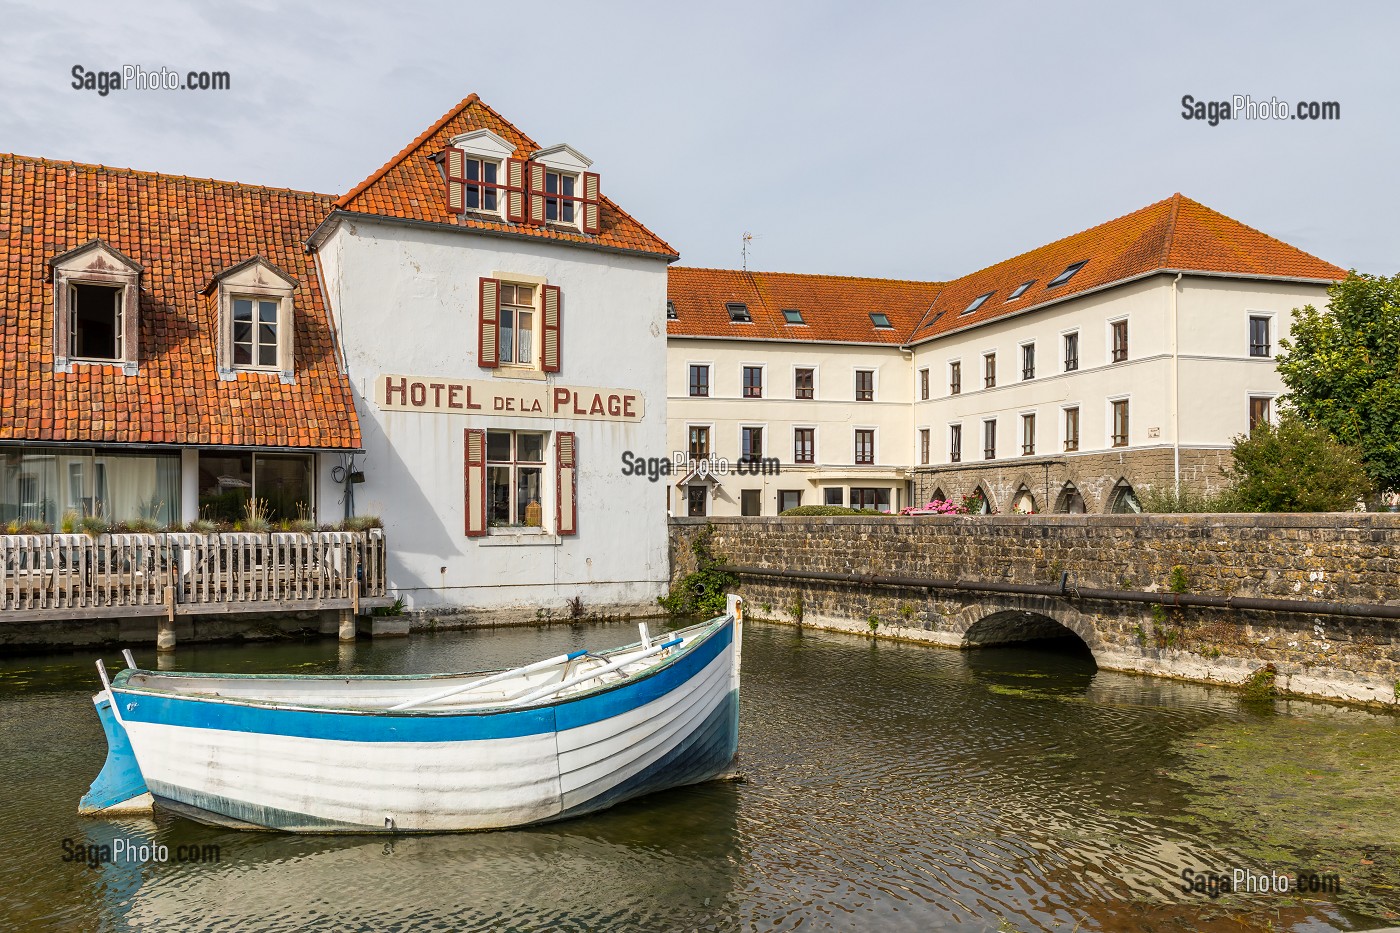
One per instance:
(714, 625)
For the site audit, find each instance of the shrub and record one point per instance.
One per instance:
(829, 510)
(701, 592)
(1293, 467)
(361, 523)
(1167, 499)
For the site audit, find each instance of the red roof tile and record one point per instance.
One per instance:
(1177, 234)
(183, 231)
(835, 308)
(410, 186)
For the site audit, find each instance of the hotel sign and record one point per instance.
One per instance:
(520, 399)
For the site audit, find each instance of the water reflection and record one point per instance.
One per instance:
(888, 786)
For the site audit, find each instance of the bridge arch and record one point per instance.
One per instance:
(998, 620)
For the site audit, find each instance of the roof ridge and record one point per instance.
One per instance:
(462, 105)
(164, 176)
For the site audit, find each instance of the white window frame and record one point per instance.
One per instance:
(874, 444)
(1064, 427)
(237, 295)
(874, 382)
(816, 381)
(550, 455)
(1272, 317)
(537, 325)
(739, 438)
(1021, 432)
(1021, 352)
(710, 382)
(572, 200)
(1269, 394)
(1108, 340)
(1078, 350)
(1108, 421)
(816, 439)
(764, 386)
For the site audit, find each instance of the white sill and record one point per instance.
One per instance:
(507, 371)
(514, 537)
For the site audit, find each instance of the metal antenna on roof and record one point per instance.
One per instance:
(748, 238)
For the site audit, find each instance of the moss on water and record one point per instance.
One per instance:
(1297, 794)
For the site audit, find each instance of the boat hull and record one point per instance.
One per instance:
(322, 770)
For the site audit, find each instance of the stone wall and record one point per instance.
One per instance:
(1094, 475)
(1346, 557)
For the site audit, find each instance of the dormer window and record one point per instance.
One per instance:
(738, 312)
(559, 200)
(96, 304)
(254, 300)
(481, 185)
(483, 177)
(1065, 276)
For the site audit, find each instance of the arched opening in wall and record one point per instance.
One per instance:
(938, 495)
(1025, 630)
(1024, 501)
(1069, 501)
(1035, 655)
(1122, 500)
(980, 501)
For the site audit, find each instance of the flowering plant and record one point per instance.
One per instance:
(1391, 498)
(935, 507)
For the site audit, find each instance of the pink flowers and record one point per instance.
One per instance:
(936, 507)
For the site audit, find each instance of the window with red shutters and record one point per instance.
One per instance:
(475, 494)
(592, 203)
(489, 325)
(566, 485)
(553, 304)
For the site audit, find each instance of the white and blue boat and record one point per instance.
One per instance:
(559, 738)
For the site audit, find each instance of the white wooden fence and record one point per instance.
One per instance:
(189, 573)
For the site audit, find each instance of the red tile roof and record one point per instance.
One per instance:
(183, 231)
(836, 308)
(1177, 234)
(410, 186)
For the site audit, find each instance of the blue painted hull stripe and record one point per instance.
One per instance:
(120, 778)
(420, 726)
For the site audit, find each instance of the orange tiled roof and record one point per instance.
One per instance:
(410, 186)
(836, 308)
(1177, 234)
(183, 231)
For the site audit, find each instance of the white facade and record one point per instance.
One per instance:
(833, 414)
(405, 301)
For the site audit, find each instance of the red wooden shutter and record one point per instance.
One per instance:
(515, 190)
(566, 484)
(455, 162)
(553, 304)
(590, 202)
(475, 498)
(535, 171)
(488, 332)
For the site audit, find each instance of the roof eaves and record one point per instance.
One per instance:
(317, 237)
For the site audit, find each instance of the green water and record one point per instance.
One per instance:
(888, 786)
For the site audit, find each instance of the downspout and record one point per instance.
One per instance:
(1176, 394)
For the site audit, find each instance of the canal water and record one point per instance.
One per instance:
(887, 787)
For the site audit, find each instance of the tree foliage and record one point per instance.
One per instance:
(1342, 370)
(1294, 467)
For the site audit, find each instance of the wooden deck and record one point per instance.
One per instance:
(177, 573)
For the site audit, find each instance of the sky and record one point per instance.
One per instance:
(901, 140)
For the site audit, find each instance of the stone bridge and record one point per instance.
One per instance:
(1345, 565)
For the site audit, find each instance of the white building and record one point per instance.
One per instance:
(503, 329)
(1067, 378)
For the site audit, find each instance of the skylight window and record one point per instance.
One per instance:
(793, 316)
(933, 320)
(976, 303)
(880, 320)
(1020, 290)
(670, 310)
(738, 312)
(1065, 276)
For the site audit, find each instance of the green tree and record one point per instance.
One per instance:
(1342, 370)
(1295, 467)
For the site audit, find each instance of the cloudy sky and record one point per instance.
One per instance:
(912, 140)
